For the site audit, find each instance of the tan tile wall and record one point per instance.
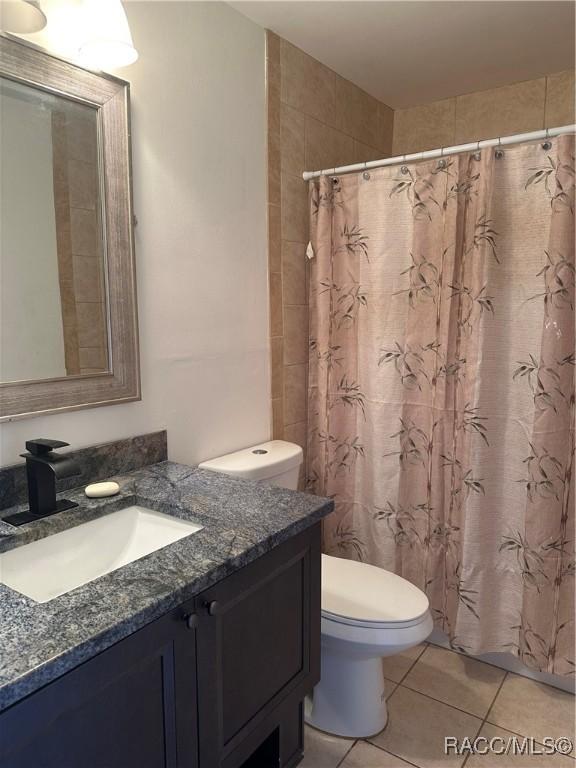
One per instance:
(64, 242)
(79, 244)
(316, 119)
(528, 106)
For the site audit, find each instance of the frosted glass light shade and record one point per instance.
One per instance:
(21, 17)
(108, 42)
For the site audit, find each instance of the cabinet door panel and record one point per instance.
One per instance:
(260, 645)
(117, 710)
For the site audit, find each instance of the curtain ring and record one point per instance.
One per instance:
(366, 175)
(547, 145)
(404, 169)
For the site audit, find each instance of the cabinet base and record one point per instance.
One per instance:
(278, 742)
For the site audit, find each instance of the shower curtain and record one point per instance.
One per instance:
(441, 387)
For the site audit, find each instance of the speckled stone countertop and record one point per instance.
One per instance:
(242, 520)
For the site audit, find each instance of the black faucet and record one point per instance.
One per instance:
(43, 468)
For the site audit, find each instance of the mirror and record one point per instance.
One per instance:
(68, 327)
(53, 308)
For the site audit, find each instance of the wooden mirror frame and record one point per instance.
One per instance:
(27, 64)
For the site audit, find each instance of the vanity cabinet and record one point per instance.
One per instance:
(216, 683)
(120, 709)
(257, 645)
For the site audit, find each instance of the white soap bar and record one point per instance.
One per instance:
(99, 490)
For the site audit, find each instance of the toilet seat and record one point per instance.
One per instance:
(373, 624)
(362, 595)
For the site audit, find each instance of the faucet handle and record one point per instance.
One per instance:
(41, 445)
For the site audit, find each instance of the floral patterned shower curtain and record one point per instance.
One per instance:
(441, 387)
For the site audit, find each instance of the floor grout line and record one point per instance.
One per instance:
(491, 707)
(406, 687)
(345, 755)
(496, 666)
(416, 660)
(483, 723)
(480, 661)
(517, 733)
(396, 686)
(387, 751)
(439, 701)
(463, 763)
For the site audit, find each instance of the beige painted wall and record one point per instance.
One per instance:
(316, 119)
(527, 106)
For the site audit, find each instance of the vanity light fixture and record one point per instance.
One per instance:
(108, 44)
(21, 16)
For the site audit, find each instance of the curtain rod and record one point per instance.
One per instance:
(430, 154)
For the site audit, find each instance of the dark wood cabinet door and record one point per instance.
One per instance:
(132, 706)
(257, 643)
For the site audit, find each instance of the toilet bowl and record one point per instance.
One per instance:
(367, 612)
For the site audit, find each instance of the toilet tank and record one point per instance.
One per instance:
(275, 463)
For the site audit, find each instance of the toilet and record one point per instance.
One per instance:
(367, 612)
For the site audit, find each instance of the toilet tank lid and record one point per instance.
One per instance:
(259, 461)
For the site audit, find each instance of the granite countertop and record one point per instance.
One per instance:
(242, 520)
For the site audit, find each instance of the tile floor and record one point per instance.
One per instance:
(432, 693)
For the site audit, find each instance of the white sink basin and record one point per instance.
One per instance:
(59, 563)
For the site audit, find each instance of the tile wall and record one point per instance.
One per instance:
(518, 108)
(316, 119)
(79, 243)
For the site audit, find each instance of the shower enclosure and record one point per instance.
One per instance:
(441, 387)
